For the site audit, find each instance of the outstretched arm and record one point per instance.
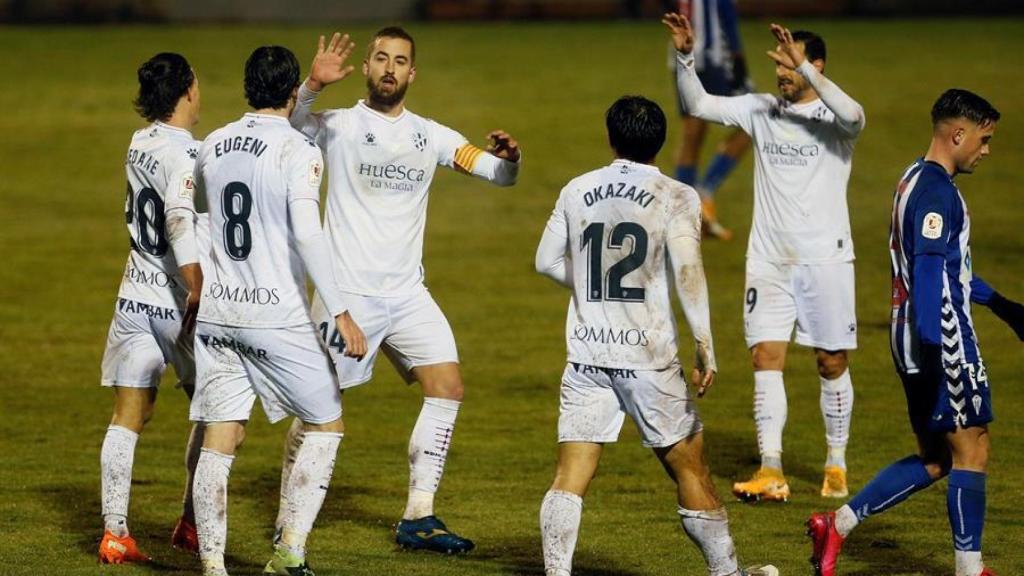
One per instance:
(329, 66)
(499, 163)
(695, 100)
(849, 114)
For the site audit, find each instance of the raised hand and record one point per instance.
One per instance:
(329, 63)
(703, 375)
(787, 53)
(682, 33)
(502, 145)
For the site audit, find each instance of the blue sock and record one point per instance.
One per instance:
(892, 485)
(965, 502)
(686, 174)
(720, 167)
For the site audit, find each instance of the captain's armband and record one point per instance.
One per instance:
(466, 157)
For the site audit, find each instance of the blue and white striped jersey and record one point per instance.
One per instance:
(930, 217)
(716, 28)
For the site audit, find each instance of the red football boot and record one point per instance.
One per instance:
(114, 550)
(821, 527)
(184, 537)
(987, 572)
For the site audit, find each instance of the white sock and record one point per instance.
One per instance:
(292, 443)
(837, 409)
(709, 530)
(428, 450)
(846, 521)
(770, 412)
(969, 563)
(195, 445)
(116, 459)
(560, 515)
(307, 486)
(210, 499)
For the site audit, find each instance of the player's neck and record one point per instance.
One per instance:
(282, 112)
(937, 155)
(390, 110)
(181, 118)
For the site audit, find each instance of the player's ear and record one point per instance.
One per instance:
(958, 135)
(412, 74)
(819, 64)
(366, 67)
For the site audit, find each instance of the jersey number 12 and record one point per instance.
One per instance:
(608, 286)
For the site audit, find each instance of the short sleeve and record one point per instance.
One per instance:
(305, 167)
(933, 217)
(181, 180)
(447, 143)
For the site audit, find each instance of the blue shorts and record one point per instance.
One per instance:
(964, 401)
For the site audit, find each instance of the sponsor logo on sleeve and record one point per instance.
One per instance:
(316, 171)
(188, 186)
(932, 226)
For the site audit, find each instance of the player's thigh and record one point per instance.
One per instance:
(292, 373)
(420, 335)
(178, 350)
(659, 404)
(224, 391)
(132, 358)
(370, 314)
(769, 305)
(826, 306)
(588, 409)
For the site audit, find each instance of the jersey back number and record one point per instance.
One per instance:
(605, 284)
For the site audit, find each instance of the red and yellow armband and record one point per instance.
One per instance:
(465, 158)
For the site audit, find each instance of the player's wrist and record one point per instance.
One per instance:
(313, 85)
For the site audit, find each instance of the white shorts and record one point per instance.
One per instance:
(411, 330)
(595, 401)
(819, 298)
(286, 367)
(141, 342)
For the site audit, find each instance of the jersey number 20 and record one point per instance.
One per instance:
(146, 211)
(602, 286)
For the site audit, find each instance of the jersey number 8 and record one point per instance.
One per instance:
(236, 203)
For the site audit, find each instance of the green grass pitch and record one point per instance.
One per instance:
(66, 123)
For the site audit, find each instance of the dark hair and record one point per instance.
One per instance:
(636, 128)
(163, 80)
(271, 74)
(956, 103)
(814, 45)
(395, 32)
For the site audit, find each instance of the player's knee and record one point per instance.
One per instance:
(831, 365)
(335, 427)
(448, 389)
(765, 358)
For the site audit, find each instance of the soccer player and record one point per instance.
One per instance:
(629, 233)
(381, 159)
(933, 340)
(800, 252)
(159, 293)
(722, 69)
(254, 336)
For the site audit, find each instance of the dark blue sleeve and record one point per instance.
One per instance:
(730, 24)
(981, 292)
(927, 297)
(933, 213)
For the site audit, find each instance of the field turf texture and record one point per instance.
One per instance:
(67, 121)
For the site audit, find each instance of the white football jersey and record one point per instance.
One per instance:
(250, 170)
(380, 173)
(617, 221)
(802, 161)
(160, 166)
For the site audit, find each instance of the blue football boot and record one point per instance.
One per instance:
(430, 533)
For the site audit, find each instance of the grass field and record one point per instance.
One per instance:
(67, 121)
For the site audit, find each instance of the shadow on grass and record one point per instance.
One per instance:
(884, 555)
(733, 455)
(78, 507)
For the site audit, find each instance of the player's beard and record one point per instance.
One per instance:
(387, 99)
